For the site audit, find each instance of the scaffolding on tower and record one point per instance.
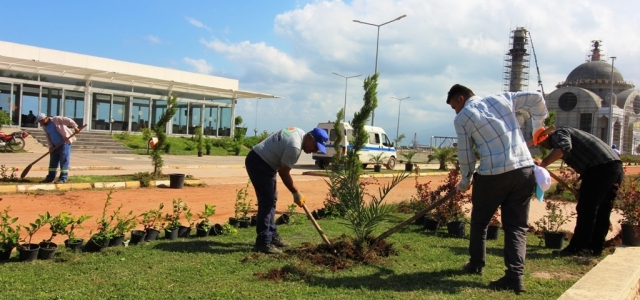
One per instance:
(516, 62)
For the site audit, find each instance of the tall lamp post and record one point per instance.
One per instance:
(346, 79)
(399, 104)
(377, 43)
(613, 58)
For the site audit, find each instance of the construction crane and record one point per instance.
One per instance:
(535, 59)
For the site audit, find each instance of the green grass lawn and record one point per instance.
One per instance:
(182, 145)
(88, 179)
(427, 266)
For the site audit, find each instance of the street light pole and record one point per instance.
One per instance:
(377, 43)
(399, 104)
(346, 79)
(613, 58)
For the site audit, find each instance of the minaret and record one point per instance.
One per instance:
(516, 67)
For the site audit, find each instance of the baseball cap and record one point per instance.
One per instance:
(543, 181)
(40, 117)
(321, 137)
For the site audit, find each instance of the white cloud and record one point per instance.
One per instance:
(200, 65)
(438, 44)
(197, 23)
(153, 39)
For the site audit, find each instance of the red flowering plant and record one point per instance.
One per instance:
(572, 179)
(627, 202)
(557, 215)
(8, 173)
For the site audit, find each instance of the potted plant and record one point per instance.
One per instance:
(208, 146)
(172, 221)
(204, 226)
(29, 251)
(627, 204)
(241, 208)
(200, 140)
(123, 224)
(58, 225)
(378, 160)
(454, 211)
(551, 223)
(105, 232)
(408, 166)
(72, 242)
(493, 230)
(9, 234)
(184, 231)
(149, 221)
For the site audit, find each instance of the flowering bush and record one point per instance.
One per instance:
(557, 215)
(627, 202)
(8, 174)
(572, 178)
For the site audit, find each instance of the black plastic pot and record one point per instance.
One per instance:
(28, 252)
(201, 232)
(408, 167)
(554, 240)
(152, 235)
(630, 235)
(184, 231)
(431, 224)
(234, 222)
(215, 230)
(76, 245)
(5, 254)
(199, 153)
(47, 250)
(95, 245)
(176, 181)
(315, 215)
(377, 168)
(137, 236)
(171, 233)
(493, 232)
(321, 213)
(282, 219)
(244, 223)
(116, 241)
(419, 221)
(456, 229)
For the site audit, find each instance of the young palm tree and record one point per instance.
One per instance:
(443, 155)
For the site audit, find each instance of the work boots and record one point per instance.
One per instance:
(267, 249)
(278, 242)
(506, 283)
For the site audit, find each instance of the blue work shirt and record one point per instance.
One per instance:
(55, 136)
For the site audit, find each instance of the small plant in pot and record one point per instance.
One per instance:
(550, 225)
(208, 146)
(408, 166)
(123, 224)
(150, 220)
(105, 233)
(493, 230)
(241, 208)
(454, 211)
(627, 204)
(184, 231)
(29, 251)
(73, 242)
(199, 140)
(58, 225)
(204, 226)
(378, 160)
(9, 234)
(172, 223)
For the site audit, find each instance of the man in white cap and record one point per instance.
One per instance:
(57, 131)
(277, 154)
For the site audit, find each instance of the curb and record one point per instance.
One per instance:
(98, 168)
(23, 188)
(316, 173)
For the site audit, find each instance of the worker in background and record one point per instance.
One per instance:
(58, 132)
(615, 149)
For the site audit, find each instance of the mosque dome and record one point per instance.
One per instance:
(594, 70)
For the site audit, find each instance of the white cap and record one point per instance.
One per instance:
(543, 181)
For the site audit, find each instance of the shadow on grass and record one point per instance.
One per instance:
(202, 246)
(444, 281)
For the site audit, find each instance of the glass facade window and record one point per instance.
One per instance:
(101, 112)
(74, 106)
(159, 106)
(30, 103)
(224, 128)
(51, 101)
(210, 121)
(6, 99)
(181, 118)
(120, 113)
(140, 114)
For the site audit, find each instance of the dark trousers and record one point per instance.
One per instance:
(597, 192)
(60, 157)
(263, 179)
(511, 192)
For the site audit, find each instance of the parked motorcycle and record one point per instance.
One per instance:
(15, 141)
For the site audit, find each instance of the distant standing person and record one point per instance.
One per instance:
(57, 130)
(601, 171)
(277, 154)
(615, 149)
(504, 177)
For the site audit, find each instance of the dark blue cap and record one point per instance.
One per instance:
(321, 137)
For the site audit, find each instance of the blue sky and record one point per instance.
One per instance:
(291, 48)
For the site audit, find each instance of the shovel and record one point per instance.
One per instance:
(28, 168)
(419, 214)
(315, 224)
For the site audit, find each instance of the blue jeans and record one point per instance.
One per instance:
(263, 179)
(60, 157)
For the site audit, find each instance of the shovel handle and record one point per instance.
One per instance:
(315, 224)
(564, 184)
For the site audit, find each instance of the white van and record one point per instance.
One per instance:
(378, 143)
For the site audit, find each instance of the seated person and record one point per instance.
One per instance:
(30, 119)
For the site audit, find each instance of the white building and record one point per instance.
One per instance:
(107, 94)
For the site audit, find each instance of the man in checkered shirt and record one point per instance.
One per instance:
(504, 177)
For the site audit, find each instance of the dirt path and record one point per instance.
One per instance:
(221, 192)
